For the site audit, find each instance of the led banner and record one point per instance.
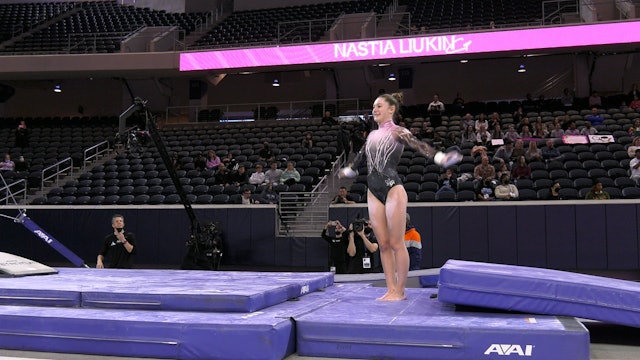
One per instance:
(423, 46)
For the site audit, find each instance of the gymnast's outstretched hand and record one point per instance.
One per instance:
(447, 159)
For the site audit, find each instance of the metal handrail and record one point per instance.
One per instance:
(98, 149)
(59, 170)
(10, 194)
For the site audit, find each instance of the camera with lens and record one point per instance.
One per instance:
(360, 224)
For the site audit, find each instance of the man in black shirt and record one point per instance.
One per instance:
(362, 249)
(337, 246)
(120, 246)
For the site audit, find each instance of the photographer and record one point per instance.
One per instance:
(362, 249)
(337, 246)
(120, 246)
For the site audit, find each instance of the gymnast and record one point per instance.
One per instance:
(386, 198)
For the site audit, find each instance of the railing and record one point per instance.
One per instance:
(62, 167)
(552, 10)
(302, 213)
(94, 153)
(8, 192)
(292, 110)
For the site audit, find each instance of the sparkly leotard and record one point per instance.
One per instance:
(383, 152)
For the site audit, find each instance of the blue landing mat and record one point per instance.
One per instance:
(358, 326)
(160, 289)
(540, 291)
(265, 334)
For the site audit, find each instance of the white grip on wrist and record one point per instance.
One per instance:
(347, 172)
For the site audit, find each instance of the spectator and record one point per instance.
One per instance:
(549, 152)
(533, 153)
(451, 141)
(21, 164)
(504, 152)
(437, 142)
(7, 164)
(290, 175)
(588, 129)
(327, 119)
(22, 135)
(484, 190)
(518, 115)
(483, 137)
(484, 170)
(272, 176)
(540, 131)
(265, 153)
(448, 181)
(229, 162)
(597, 193)
(521, 170)
(635, 103)
(572, 130)
(200, 162)
(344, 140)
(501, 168)
(307, 142)
(458, 104)
(635, 145)
(469, 136)
(494, 121)
(343, 197)
(258, 176)
(511, 134)
(239, 177)
(554, 191)
(506, 190)
(337, 246)
(518, 150)
(223, 175)
(497, 132)
(482, 121)
(567, 98)
(557, 131)
(213, 160)
(247, 199)
(268, 195)
(120, 246)
(436, 110)
(526, 134)
(595, 118)
(633, 93)
(634, 166)
(467, 121)
(413, 242)
(361, 249)
(525, 122)
(595, 100)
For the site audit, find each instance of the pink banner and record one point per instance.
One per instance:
(440, 45)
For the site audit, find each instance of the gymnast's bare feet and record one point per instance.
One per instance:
(391, 295)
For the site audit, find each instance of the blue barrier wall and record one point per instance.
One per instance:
(578, 235)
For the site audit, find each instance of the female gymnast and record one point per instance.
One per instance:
(387, 199)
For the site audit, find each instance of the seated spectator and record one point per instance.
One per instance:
(467, 121)
(258, 177)
(518, 150)
(554, 192)
(482, 121)
(478, 151)
(634, 165)
(290, 175)
(239, 177)
(247, 199)
(518, 115)
(557, 131)
(21, 164)
(526, 133)
(635, 145)
(272, 176)
(511, 134)
(504, 152)
(635, 104)
(523, 123)
(501, 168)
(484, 170)
(448, 181)
(595, 100)
(265, 153)
(200, 162)
(494, 121)
(572, 130)
(540, 131)
(213, 160)
(437, 142)
(468, 135)
(588, 129)
(307, 142)
(223, 175)
(533, 153)
(595, 117)
(634, 130)
(483, 138)
(327, 119)
(597, 193)
(521, 170)
(343, 197)
(497, 132)
(549, 151)
(451, 141)
(484, 190)
(7, 164)
(506, 190)
(229, 162)
(268, 195)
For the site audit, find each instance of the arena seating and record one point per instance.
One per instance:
(19, 18)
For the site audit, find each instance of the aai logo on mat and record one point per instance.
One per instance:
(509, 349)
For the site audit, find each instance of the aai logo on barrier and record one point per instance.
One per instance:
(509, 349)
(43, 236)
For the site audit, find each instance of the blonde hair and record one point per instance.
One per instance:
(394, 99)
